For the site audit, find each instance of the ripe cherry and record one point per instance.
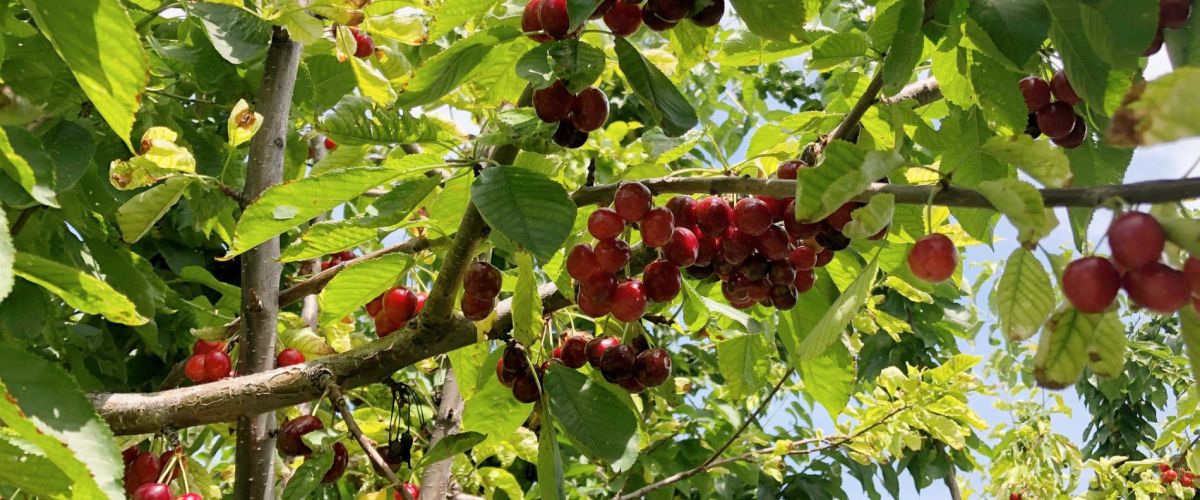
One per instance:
(1014, 496)
(1186, 481)
(683, 249)
(567, 136)
(652, 21)
(1163, 467)
(752, 216)
(632, 201)
(657, 227)
(193, 369)
(341, 458)
(1091, 284)
(189, 496)
(773, 244)
(506, 377)
(532, 24)
(782, 273)
(589, 110)
(670, 10)
(629, 301)
(1191, 271)
(330, 145)
(701, 273)
(1062, 89)
(413, 491)
(386, 324)
(581, 262)
(421, 297)
(1169, 476)
(364, 46)
(775, 205)
(216, 366)
(613, 255)
(662, 281)
(783, 297)
(400, 304)
(599, 287)
(710, 16)
(805, 281)
(652, 367)
(736, 246)
(476, 309)
(290, 440)
(554, 18)
(1056, 120)
(1076, 137)
(833, 240)
(632, 385)
(152, 491)
(145, 468)
(617, 363)
(1173, 14)
(597, 347)
(803, 257)
(375, 306)
(1136, 239)
(553, 104)
(714, 215)
(624, 19)
(754, 267)
(842, 216)
(482, 280)
(605, 224)
(592, 307)
(1036, 92)
(683, 208)
(759, 290)
(288, 357)
(1157, 287)
(525, 389)
(824, 257)
(933, 258)
(602, 9)
(202, 346)
(574, 350)
(710, 251)
(789, 169)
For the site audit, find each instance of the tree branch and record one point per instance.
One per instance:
(860, 108)
(339, 402)
(435, 482)
(925, 92)
(752, 417)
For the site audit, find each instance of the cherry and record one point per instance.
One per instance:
(330, 145)
(554, 18)
(683, 249)
(574, 351)
(202, 346)
(1186, 481)
(842, 216)
(532, 24)
(658, 227)
(597, 347)
(662, 281)
(773, 244)
(290, 441)
(736, 289)
(1136, 239)
(700, 273)
(589, 110)
(933, 258)
(505, 377)
(714, 215)
(710, 16)
(515, 358)
(1163, 467)
(568, 136)
(364, 46)
(605, 224)
(400, 303)
(476, 309)
(652, 21)
(165, 459)
(152, 491)
(1062, 88)
(1169, 476)
(553, 104)
(1191, 271)
(1157, 287)
(632, 385)
(1155, 44)
(1076, 137)
(824, 257)
(374, 306)
(671, 11)
(710, 250)
(482, 280)
(1056, 119)
(683, 208)
(613, 255)
(1014, 496)
(1036, 92)
(629, 301)
(759, 290)
(145, 468)
(129, 454)
(413, 491)
(782, 273)
(833, 240)
(736, 246)
(421, 297)
(803, 257)
(526, 389)
(752, 216)
(1091, 284)
(632, 201)
(386, 324)
(592, 307)
(788, 169)
(624, 19)
(1031, 126)
(602, 9)
(189, 496)
(341, 458)
(652, 367)
(795, 229)
(288, 357)
(1173, 14)
(638, 343)
(194, 369)
(617, 363)
(783, 297)
(599, 287)
(581, 262)
(805, 280)
(216, 366)
(775, 205)
(755, 267)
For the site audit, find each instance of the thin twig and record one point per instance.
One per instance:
(752, 417)
(339, 402)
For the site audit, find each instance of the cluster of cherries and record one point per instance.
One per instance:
(1172, 14)
(290, 443)
(340, 257)
(1169, 475)
(1057, 119)
(481, 286)
(1137, 242)
(576, 114)
(148, 477)
(208, 363)
(634, 366)
(394, 308)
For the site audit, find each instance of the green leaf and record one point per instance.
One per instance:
(25, 466)
(1042, 161)
(1000, 100)
(1161, 113)
(451, 445)
(444, 72)
(1024, 296)
(307, 477)
(576, 62)
(470, 365)
(7, 255)
(1023, 205)
(373, 84)
(493, 411)
(98, 41)
(834, 322)
(698, 310)
(829, 378)
(673, 111)
(600, 424)
(1093, 164)
(238, 36)
(496, 480)
(360, 283)
(837, 48)
(1017, 28)
(14, 162)
(455, 13)
(44, 406)
(904, 51)
(743, 48)
(869, 220)
(526, 207)
(1086, 71)
(550, 462)
(578, 11)
(845, 172)
(138, 215)
(408, 27)
(1106, 352)
(1120, 30)
(534, 66)
(331, 80)
(1189, 329)
(743, 361)
(773, 19)
(356, 121)
(526, 304)
(285, 206)
(1063, 349)
(78, 289)
(324, 238)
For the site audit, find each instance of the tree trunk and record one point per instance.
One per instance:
(261, 268)
(435, 483)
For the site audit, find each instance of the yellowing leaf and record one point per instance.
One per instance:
(243, 123)
(1024, 296)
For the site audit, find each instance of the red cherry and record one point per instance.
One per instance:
(662, 281)
(1157, 287)
(129, 454)
(773, 244)
(217, 365)
(683, 208)
(710, 251)
(189, 496)
(581, 262)
(553, 104)
(1163, 467)
(482, 280)
(824, 257)
(290, 442)
(152, 491)
(789, 169)
(204, 347)
(421, 297)
(554, 18)
(714, 215)
(1191, 270)
(1091, 284)
(752, 216)
(1036, 92)
(805, 281)
(842, 216)
(400, 303)
(1174, 14)
(624, 19)
(795, 229)
(782, 273)
(330, 145)
(1136, 239)
(1062, 89)
(1186, 482)
(476, 309)
(736, 246)
(670, 10)
(605, 224)
(683, 249)
(1056, 120)
(701, 273)
(804, 258)
(597, 347)
(592, 307)
(145, 468)
(652, 21)
(194, 369)
(613, 255)
(632, 201)
(783, 297)
(589, 110)
(374, 306)
(531, 24)
(657, 227)
(412, 490)
(506, 377)
(1076, 137)
(652, 367)
(632, 385)
(933, 258)
(386, 324)
(574, 351)
(341, 458)
(629, 301)
(617, 363)
(526, 390)
(1169, 476)
(754, 267)
(710, 16)
(599, 287)
(288, 357)
(1014, 496)
(567, 136)
(602, 9)
(364, 46)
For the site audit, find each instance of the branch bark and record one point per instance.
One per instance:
(255, 451)
(339, 402)
(435, 482)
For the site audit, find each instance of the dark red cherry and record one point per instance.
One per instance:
(290, 441)
(598, 287)
(736, 246)
(553, 104)
(592, 307)
(701, 273)
(624, 19)
(933, 258)
(652, 21)
(288, 357)
(662, 281)
(683, 249)
(597, 347)
(653, 367)
(754, 267)
(789, 169)
(202, 346)
(1036, 92)
(532, 24)
(217, 365)
(602, 9)
(805, 281)
(364, 47)
(375, 306)
(714, 215)
(482, 280)
(629, 301)
(657, 227)
(825, 256)
(526, 390)
(506, 377)
(1076, 137)
(710, 251)
(385, 325)
(1056, 120)
(783, 297)
(477, 309)
(1157, 287)
(1062, 88)
(341, 458)
(617, 363)
(671, 11)
(400, 304)
(554, 18)
(1091, 284)
(804, 258)
(843, 215)
(193, 369)
(710, 16)
(684, 210)
(567, 136)
(152, 491)
(632, 201)
(582, 262)
(613, 255)
(589, 110)
(574, 350)
(605, 224)
(1136, 239)
(782, 273)
(1174, 14)
(752, 216)
(773, 244)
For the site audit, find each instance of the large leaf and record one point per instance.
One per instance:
(526, 304)
(1106, 353)
(1086, 71)
(1024, 296)
(27, 165)
(493, 411)
(550, 462)
(1017, 28)
(600, 424)
(78, 289)
(444, 72)
(470, 366)
(356, 121)
(577, 63)
(675, 114)
(1120, 30)
(238, 35)
(743, 361)
(837, 48)
(372, 83)
(138, 215)
(829, 378)
(905, 49)
(869, 220)
(285, 206)
(360, 283)
(834, 322)
(45, 407)
(527, 207)
(1065, 345)
(1161, 113)
(98, 41)
(25, 466)
(452, 14)
(1045, 163)
(845, 172)
(773, 19)
(1023, 205)
(451, 445)
(328, 237)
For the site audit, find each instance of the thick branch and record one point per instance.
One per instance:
(435, 482)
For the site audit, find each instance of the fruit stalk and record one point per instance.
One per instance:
(339, 403)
